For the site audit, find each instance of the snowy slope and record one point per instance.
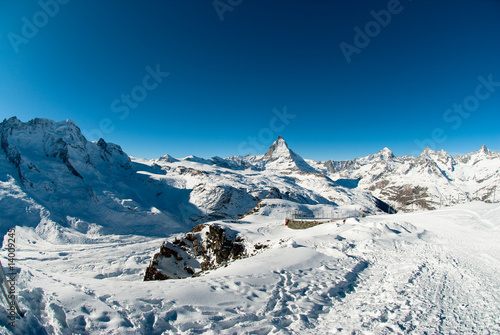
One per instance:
(427, 272)
(50, 174)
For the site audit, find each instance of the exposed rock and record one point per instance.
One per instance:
(274, 193)
(205, 247)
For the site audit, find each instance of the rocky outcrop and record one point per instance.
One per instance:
(205, 247)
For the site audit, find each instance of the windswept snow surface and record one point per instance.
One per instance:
(424, 272)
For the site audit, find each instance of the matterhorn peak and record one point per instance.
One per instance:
(280, 157)
(278, 149)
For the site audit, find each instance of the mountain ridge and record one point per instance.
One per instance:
(52, 178)
(54, 166)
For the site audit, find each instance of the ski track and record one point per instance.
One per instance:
(425, 282)
(425, 287)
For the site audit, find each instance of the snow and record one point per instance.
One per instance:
(89, 220)
(434, 272)
(280, 158)
(429, 181)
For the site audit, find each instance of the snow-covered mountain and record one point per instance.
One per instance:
(57, 177)
(229, 188)
(52, 178)
(431, 180)
(91, 223)
(280, 158)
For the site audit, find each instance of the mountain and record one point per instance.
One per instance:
(280, 158)
(60, 180)
(92, 223)
(52, 178)
(231, 187)
(431, 180)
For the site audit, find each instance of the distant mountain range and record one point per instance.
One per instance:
(431, 180)
(52, 178)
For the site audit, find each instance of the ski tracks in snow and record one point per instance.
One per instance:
(420, 287)
(284, 301)
(367, 277)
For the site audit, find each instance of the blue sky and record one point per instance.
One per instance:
(227, 77)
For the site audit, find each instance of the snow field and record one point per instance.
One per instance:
(434, 272)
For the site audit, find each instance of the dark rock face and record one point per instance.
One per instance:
(152, 273)
(205, 247)
(274, 193)
(224, 248)
(385, 207)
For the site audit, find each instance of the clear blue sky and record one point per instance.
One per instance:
(81, 59)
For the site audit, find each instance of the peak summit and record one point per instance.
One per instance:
(278, 149)
(385, 153)
(280, 157)
(484, 150)
(427, 151)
